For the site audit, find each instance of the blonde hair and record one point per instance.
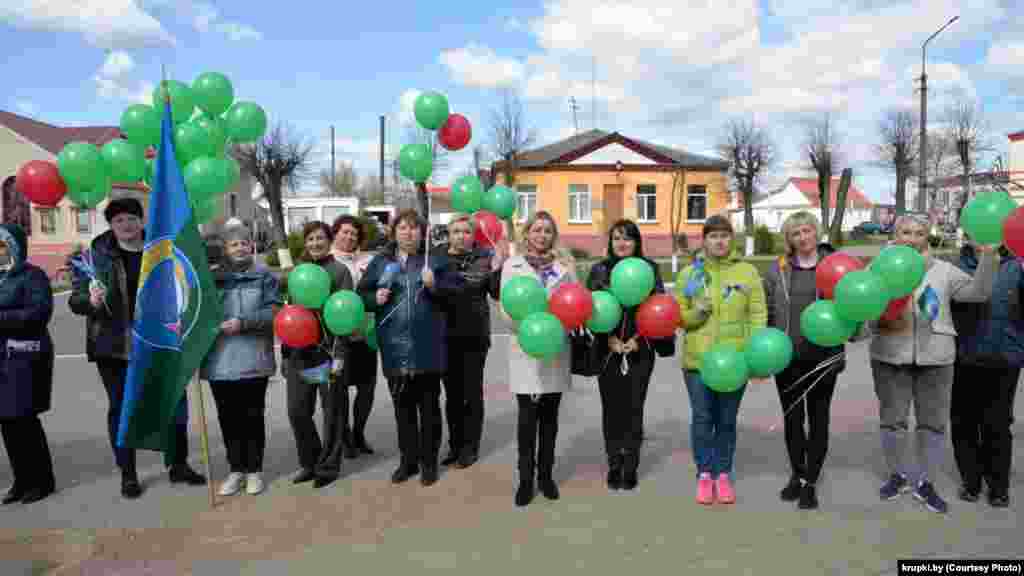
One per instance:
(795, 220)
(560, 254)
(462, 217)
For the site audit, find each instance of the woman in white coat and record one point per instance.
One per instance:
(538, 384)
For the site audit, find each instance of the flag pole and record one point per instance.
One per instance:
(204, 437)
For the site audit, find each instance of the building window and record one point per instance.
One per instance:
(84, 221)
(526, 204)
(48, 221)
(298, 217)
(647, 203)
(696, 202)
(579, 203)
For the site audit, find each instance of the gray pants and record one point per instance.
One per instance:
(928, 389)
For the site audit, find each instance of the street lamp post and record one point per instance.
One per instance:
(922, 177)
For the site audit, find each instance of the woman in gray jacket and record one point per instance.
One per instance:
(912, 363)
(241, 362)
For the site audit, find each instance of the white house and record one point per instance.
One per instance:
(802, 194)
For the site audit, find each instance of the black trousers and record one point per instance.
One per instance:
(361, 371)
(980, 411)
(29, 453)
(114, 373)
(538, 419)
(241, 406)
(464, 394)
(622, 401)
(806, 449)
(417, 401)
(323, 458)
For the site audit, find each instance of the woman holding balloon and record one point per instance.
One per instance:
(539, 361)
(630, 355)
(407, 292)
(317, 368)
(722, 303)
(913, 353)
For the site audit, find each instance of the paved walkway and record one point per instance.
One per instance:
(467, 522)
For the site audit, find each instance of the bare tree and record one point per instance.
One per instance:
(282, 158)
(899, 149)
(968, 134)
(750, 151)
(508, 133)
(416, 134)
(344, 181)
(825, 156)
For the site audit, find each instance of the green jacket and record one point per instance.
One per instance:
(737, 301)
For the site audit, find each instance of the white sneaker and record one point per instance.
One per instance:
(253, 483)
(231, 484)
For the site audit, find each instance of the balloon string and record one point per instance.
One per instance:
(802, 396)
(388, 315)
(821, 366)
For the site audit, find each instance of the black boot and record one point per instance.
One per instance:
(467, 457)
(13, 495)
(404, 471)
(614, 472)
(524, 493)
(451, 458)
(183, 473)
(36, 494)
(791, 492)
(547, 485)
(130, 487)
(630, 462)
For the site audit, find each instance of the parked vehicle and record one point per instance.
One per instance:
(867, 228)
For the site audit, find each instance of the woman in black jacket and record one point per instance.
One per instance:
(26, 368)
(623, 385)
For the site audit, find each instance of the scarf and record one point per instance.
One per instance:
(232, 265)
(543, 264)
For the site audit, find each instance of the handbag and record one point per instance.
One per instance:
(586, 353)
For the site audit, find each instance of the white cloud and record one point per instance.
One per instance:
(112, 82)
(26, 107)
(477, 65)
(103, 23)
(205, 17)
(117, 64)
(406, 106)
(238, 32)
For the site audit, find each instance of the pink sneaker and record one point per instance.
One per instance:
(724, 490)
(705, 489)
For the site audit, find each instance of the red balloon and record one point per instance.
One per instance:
(40, 182)
(488, 230)
(658, 316)
(297, 327)
(831, 269)
(455, 133)
(572, 304)
(895, 308)
(1013, 232)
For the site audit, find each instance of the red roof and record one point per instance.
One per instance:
(809, 187)
(1017, 136)
(53, 138)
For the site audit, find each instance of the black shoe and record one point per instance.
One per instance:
(403, 473)
(304, 476)
(792, 490)
(524, 494)
(183, 473)
(130, 487)
(467, 457)
(614, 478)
(13, 495)
(36, 495)
(359, 441)
(808, 498)
(321, 481)
(629, 472)
(429, 475)
(451, 458)
(998, 500)
(548, 487)
(969, 493)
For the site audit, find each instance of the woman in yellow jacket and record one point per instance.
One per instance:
(721, 300)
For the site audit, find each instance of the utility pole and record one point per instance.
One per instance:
(922, 179)
(382, 137)
(334, 170)
(574, 107)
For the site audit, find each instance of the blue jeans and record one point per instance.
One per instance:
(712, 425)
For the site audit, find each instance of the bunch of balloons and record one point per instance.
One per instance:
(544, 321)
(309, 288)
(985, 218)
(207, 120)
(726, 369)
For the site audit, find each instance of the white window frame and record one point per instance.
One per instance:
(45, 213)
(706, 200)
(294, 224)
(650, 192)
(526, 201)
(78, 221)
(578, 193)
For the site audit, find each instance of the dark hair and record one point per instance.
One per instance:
(121, 206)
(410, 216)
(630, 230)
(351, 221)
(717, 223)
(308, 229)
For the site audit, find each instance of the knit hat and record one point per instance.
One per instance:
(122, 205)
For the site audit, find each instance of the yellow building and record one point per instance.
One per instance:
(590, 180)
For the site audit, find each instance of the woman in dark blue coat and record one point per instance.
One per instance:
(26, 367)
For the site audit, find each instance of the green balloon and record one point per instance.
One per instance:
(141, 124)
(81, 165)
(204, 178)
(232, 172)
(207, 209)
(724, 369)
(344, 312)
(415, 162)
(467, 194)
(89, 197)
(126, 161)
(541, 335)
(150, 172)
(768, 352)
(822, 324)
(213, 92)
(901, 268)
(182, 100)
(216, 137)
(607, 312)
(370, 332)
(190, 142)
(861, 295)
(309, 285)
(245, 122)
(632, 281)
(984, 215)
(501, 201)
(431, 110)
(522, 296)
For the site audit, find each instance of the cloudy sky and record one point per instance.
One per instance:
(668, 72)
